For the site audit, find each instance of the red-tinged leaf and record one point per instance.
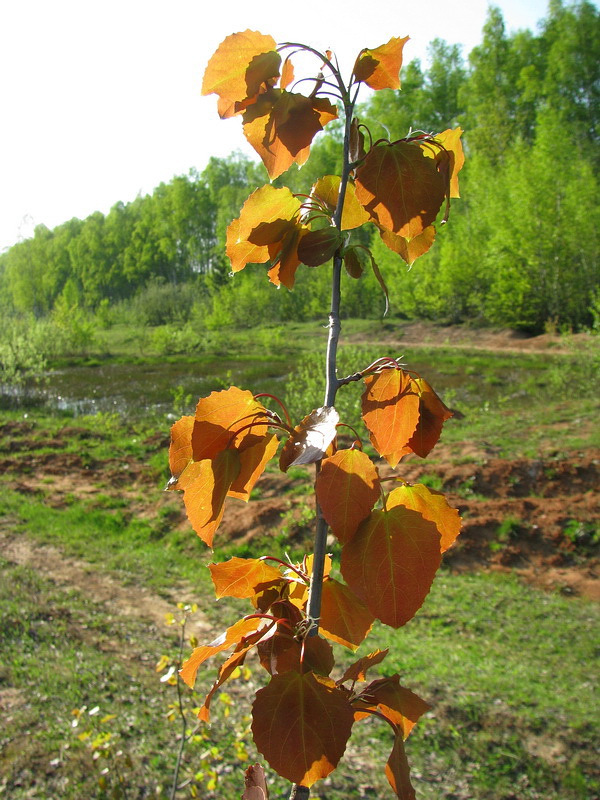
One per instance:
(327, 190)
(220, 415)
(266, 206)
(380, 68)
(180, 449)
(232, 636)
(205, 486)
(397, 771)
(432, 415)
(354, 264)
(310, 439)
(301, 725)
(227, 71)
(390, 410)
(282, 653)
(409, 249)
(347, 488)
(433, 506)
(400, 187)
(358, 670)
(255, 783)
(286, 258)
(391, 562)
(281, 125)
(253, 461)
(317, 247)
(241, 577)
(344, 618)
(401, 707)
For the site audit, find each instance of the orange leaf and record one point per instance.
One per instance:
(317, 247)
(397, 771)
(310, 439)
(380, 68)
(347, 488)
(233, 635)
(390, 410)
(344, 618)
(265, 206)
(226, 669)
(205, 484)
(253, 461)
(358, 670)
(327, 189)
(301, 724)
(180, 449)
(409, 249)
(227, 71)
(432, 415)
(287, 74)
(255, 783)
(220, 415)
(400, 187)
(433, 506)
(391, 563)
(241, 577)
(281, 125)
(401, 707)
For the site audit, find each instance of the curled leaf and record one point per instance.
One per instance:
(380, 67)
(227, 71)
(310, 439)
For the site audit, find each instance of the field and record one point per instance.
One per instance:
(93, 556)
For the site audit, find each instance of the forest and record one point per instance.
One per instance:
(522, 252)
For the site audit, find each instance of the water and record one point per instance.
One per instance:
(135, 390)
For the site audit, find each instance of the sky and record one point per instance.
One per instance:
(101, 101)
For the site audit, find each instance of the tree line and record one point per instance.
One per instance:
(523, 249)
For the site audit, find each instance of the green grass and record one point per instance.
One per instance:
(510, 671)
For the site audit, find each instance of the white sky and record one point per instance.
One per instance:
(100, 99)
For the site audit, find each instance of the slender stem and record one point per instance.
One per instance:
(299, 792)
(184, 736)
(332, 383)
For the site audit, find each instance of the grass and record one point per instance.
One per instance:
(508, 669)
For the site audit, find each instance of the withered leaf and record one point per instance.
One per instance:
(310, 439)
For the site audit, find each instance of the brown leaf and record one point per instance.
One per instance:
(390, 410)
(347, 488)
(281, 125)
(358, 670)
(391, 562)
(279, 654)
(354, 261)
(310, 439)
(227, 71)
(432, 415)
(380, 68)
(397, 771)
(301, 725)
(401, 707)
(344, 618)
(433, 506)
(400, 187)
(317, 247)
(256, 785)
(241, 577)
